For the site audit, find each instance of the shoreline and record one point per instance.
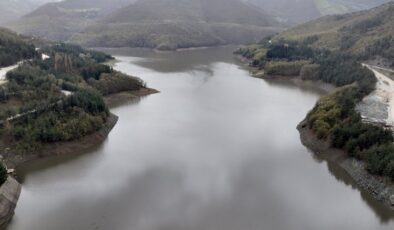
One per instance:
(11, 189)
(166, 51)
(63, 148)
(85, 143)
(120, 98)
(380, 188)
(297, 80)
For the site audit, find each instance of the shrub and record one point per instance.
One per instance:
(3, 174)
(284, 68)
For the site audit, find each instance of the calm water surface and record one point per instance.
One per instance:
(215, 150)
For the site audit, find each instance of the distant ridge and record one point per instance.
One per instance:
(300, 11)
(14, 9)
(172, 24)
(60, 20)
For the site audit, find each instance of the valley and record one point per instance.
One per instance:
(181, 162)
(263, 113)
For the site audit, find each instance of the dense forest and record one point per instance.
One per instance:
(334, 118)
(366, 34)
(59, 98)
(3, 174)
(13, 48)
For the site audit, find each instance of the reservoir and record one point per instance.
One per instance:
(216, 149)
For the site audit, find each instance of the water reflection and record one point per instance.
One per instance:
(181, 61)
(216, 149)
(47, 163)
(341, 175)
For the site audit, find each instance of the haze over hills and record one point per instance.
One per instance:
(60, 20)
(13, 9)
(289, 11)
(179, 24)
(300, 11)
(173, 24)
(165, 24)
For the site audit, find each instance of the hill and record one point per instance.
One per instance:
(13, 9)
(332, 50)
(346, 6)
(366, 33)
(60, 20)
(172, 24)
(300, 11)
(55, 95)
(14, 48)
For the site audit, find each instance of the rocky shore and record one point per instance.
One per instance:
(381, 188)
(9, 195)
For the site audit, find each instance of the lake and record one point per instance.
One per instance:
(216, 149)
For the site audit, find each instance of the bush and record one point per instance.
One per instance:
(310, 72)
(116, 82)
(13, 48)
(89, 100)
(284, 68)
(334, 118)
(3, 174)
(290, 52)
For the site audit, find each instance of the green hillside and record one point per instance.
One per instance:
(300, 11)
(331, 50)
(54, 99)
(365, 33)
(14, 48)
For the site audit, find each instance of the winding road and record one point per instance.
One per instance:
(384, 91)
(5, 70)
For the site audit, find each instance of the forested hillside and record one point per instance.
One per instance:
(332, 50)
(14, 48)
(60, 20)
(179, 24)
(366, 34)
(300, 11)
(56, 94)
